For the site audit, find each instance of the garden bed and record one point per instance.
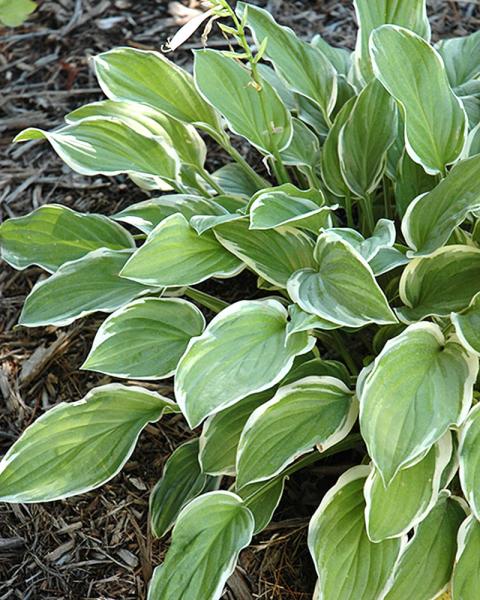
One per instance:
(97, 545)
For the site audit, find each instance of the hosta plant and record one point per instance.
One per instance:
(359, 217)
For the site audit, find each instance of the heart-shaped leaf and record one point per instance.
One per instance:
(365, 138)
(419, 383)
(303, 67)
(107, 146)
(342, 289)
(371, 14)
(274, 254)
(438, 284)
(243, 350)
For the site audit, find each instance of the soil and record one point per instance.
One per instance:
(97, 545)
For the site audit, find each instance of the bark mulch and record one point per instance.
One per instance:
(97, 545)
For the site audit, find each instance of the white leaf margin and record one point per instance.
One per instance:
(333, 439)
(443, 454)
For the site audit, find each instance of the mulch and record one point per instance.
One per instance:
(97, 545)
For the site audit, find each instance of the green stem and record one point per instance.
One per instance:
(281, 173)
(238, 158)
(386, 199)
(211, 182)
(214, 304)
(348, 443)
(348, 210)
(367, 209)
(312, 178)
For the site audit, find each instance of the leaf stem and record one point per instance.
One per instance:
(211, 182)
(214, 304)
(348, 210)
(225, 143)
(367, 209)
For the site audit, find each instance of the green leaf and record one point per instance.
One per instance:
(460, 56)
(181, 481)
(383, 236)
(262, 500)
(414, 74)
(181, 137)
(318, 367)
(467, 325)
(469, 452)
(52, 235)
(146, 215)
(156, 332)
(150, 78)
(274, 254)
(269, 74)
(330, 159)
(426, 563)
(410, 181)
(175, 255)
(348, 564)
(14, 12)
(418, 387)
(438, 284)
(108, 147)
(221, 434)
(466, 573)
(314, 411)
(288, 205)
(79, 288)
(74, 448)
(388, 259)
(209, 534)
(304, 69)
(304, 148)
(309, 112)
(303, 321)
(258, 115)
(371, 14)
(393, 510)
(340, 58)
(203, 223)
(342, 289)
(431, 218)
(365, 138)
(233, 180)
(243, 350)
